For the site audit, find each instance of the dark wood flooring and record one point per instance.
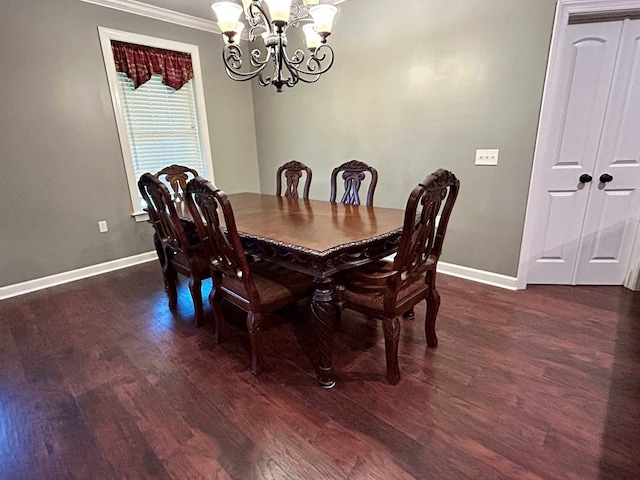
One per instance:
(98, 380)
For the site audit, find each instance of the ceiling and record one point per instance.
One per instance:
(195, 8)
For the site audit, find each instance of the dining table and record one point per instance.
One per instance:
(320, 239)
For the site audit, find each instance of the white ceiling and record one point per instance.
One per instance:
(195, 8)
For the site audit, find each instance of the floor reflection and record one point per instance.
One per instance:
(620, 444)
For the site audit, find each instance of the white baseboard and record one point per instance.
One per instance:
(480, 276)
(73, 275)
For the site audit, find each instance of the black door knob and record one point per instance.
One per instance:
(585, 178)
(605, 178)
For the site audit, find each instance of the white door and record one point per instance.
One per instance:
(586, 230)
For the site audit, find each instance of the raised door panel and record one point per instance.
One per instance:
(558, 254)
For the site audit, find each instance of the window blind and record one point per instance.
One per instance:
(161, 125)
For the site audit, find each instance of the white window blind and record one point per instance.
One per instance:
(161, 125)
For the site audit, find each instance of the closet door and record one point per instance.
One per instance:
(576, 118)
(613, 208)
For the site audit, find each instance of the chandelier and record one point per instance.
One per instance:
(269, 22)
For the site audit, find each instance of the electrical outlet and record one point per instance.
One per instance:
(487, 157)
(102, 225)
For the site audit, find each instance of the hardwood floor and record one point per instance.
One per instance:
(98, 380)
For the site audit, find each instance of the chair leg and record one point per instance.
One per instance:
(338, 300)
(170, 281)
(161, 258)
(433, 305)
(195, 286)
(391, 329)
(254, 325)
(215, 300)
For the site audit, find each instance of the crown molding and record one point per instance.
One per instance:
(596, 6)
(165, 15)
(157, 13)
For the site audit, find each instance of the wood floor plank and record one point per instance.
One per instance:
(116, 433)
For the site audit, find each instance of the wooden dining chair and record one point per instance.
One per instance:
(387, 290)
(177, 176)
(179, 249)
(258, 288)
(293, 171)
(353, 174)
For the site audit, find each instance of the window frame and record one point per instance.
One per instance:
(106, 36)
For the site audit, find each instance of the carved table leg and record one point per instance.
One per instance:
(323, 317)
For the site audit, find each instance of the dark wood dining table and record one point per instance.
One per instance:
(320, 239)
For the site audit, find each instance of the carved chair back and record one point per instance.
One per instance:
(292, 172)
(353, 174)
(163, 214)
(214, 219)
(177, 176)
(425, 223)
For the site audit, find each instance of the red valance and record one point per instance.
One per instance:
(139, 62)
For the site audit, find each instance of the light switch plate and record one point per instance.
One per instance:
(102, 225)
(487, 157)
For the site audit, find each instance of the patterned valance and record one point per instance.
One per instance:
(139, 63)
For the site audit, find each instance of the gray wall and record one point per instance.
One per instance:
(61, 166)
(406, 96)
(423, 92)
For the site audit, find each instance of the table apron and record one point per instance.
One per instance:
(322, 265)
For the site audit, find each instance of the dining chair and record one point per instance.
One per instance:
(387, 290)
(177, 176)
(353, 174)
(179, 248)
(257, 288)
(292, 172)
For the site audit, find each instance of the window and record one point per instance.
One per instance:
(161, 125)
(157, 124)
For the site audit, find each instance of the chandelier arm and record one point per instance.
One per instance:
(298, 12)
(256, 17)
(314, 66)
(263, 80)
(297, 59)
(255, 57)
(294, 73)
(232, 59)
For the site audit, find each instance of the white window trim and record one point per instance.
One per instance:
(106, 35)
